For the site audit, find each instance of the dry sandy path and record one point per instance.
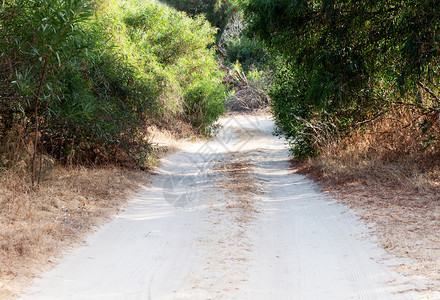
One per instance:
(228, 220)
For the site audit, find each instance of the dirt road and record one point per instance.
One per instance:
(227, 219)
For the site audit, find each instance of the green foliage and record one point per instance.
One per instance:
(108, 68)
(204, 103)
(174, 47)
(248, 52)
(339, 60)
(217, 12)
(34, 34)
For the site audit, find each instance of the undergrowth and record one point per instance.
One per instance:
(81, 85)
(84, 77)
(390, 150)
(385, 173)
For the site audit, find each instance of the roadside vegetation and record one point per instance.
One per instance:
(356, 83)
(85, 77)
(83, 87)
(353, 86)
(356, 93)
(245, 61)
(344, 65)
(218, 13)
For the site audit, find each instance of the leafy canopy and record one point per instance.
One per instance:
(340, 57)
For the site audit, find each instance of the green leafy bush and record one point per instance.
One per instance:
(99, 71)
(204, 103)
(217, 12)
(346, 62)
(248, 52)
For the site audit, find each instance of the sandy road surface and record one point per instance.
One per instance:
(228, 220)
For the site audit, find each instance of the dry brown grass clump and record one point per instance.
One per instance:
(388, 151)
(382, 173)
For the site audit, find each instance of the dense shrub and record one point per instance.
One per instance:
(174, 47)
(217, 12)
(245, 51)
(204, 103)
(347, 62)
(246, 61)
(96, 72)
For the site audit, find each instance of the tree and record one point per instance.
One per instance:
(44, 34)
(217, 12)
(340, 57)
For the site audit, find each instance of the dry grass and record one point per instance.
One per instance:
(171, 132)
(38, 224)
(384, 176)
